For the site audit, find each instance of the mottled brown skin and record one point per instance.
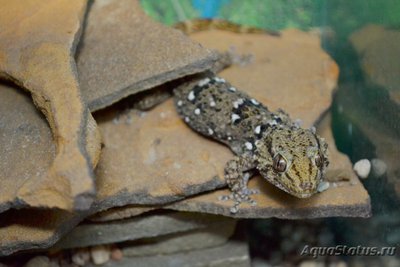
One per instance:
(291, 158)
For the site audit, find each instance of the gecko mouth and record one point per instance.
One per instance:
(299, 194)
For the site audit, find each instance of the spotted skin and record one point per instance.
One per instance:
(291, 158)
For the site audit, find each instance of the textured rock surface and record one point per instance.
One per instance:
(28, 128)
(148, 161)
(137, 228)
(232, 254)
(28, 228)
(37, 43)
(26, 147)
(347, 198)
(196, 239)
(135, 53)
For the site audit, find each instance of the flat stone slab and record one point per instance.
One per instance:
(137, 228)
(345, 198)
(26, 147)
(119, 213)
(37, 43)
(147, 161)
(234, 253)
(211, 236)
(26, 229)
(128, 52)
(30, 127)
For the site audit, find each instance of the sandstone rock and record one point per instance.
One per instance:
(37, 43)
(26, 147)
(135, 228)
(31, 131)
(196, 239)
(128, 53)
(348, 198)
(233, 253)
(148, 161)
(28, 228)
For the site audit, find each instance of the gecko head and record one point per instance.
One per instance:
(293, 159)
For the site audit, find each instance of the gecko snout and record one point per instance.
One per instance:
(306, 186)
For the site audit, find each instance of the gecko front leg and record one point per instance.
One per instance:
(237, 174)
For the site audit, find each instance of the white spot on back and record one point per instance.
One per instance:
(179, 103)
(210, 131)
(255, 102)
(218, 79)
(191, 96)
(238, 102)
(257, 130)
(249, 145)
(187, 119)
(232, 89)
(212, 103)
(203, 82)
(272, 122)
(197, 111)
(235, 117)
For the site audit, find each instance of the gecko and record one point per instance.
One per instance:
(291, 158)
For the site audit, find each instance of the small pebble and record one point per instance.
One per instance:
(312, 264)
(362, 168)
(116, 254)
(100, 254)
(41, 261)
(81, 257)
(324, 185)
(338, 264)
(379, 167)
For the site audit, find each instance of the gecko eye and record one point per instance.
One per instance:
(319, 161)
(279, 163)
